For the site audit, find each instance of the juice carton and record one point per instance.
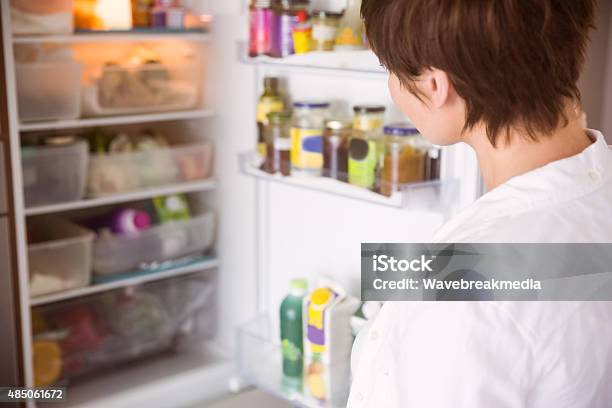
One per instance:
(328, 342)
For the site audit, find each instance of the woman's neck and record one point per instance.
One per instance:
(520, 155)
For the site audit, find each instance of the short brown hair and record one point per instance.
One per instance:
(514, 62)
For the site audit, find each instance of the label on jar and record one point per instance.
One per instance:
(363, 158)
(307, 148)
(282, 143)
(367, 124)
(322, 32)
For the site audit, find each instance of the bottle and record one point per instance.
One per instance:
(270, 101)
(302, 33)
(284, 19)
(292, 329)
(350, 33)
(335, 149)
(260, 16)
(278, 143)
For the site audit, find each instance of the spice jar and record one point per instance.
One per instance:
(404, 158)
(335, 148)
(278, 143)
(307, 128)
(324, 30)
(284, 19)
(368, 118)
(433, 161)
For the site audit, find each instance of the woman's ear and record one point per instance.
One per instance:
(436, 86)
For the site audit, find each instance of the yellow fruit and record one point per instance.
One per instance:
(47, 363)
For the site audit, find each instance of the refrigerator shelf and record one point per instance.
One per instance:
(360, 61)
(438, 195)
(117, 120)
(177, 188)
(199, 265)
(260, 362)
(123, 36)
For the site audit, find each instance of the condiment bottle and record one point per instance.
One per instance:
(307, 128)
(269, 101)
(404, 158)
(260, 16)
(302, 33)
(278, 143)
(335, 148)
(364, 146)
(284, 19)
(324, 30)
(350, 32)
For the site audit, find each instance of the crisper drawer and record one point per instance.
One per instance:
(168, 241)
(149, 87)
(54, 174)
(84, 336)
(122, 172)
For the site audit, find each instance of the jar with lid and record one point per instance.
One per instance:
(260, 19)
(324, 30)
(365, 145)
(284, 20)
(369, 118)
(335, 148)
(307, 128)
(278, 143)
(433, 160)
(350, 32)
(404, 158)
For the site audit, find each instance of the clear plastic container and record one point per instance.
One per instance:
(122, 172)
(49, 90)
(54, 174)
(41, 17)
(154, 87)
(84, 336)
(149, 249)
(59, 255)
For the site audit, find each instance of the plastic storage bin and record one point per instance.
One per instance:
(83, 336)
(54, 174)
(172, 240)
(122, 172)
(49, 90)
(59, 254)
(154, 87)
(41, 17)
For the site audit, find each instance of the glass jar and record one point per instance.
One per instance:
(278, 143)
(260, 19)
(335, 148)
(350, 32)
(324, 30)
(404, 158)
(433, 161)
(284, 20)
(369, 118)
(307, 128)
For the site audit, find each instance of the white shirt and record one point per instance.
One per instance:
(503, 354)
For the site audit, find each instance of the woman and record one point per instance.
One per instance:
(502, 77)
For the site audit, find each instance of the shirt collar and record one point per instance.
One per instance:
(556, 182)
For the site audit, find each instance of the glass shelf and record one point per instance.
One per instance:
(359, 61)
(437, 195)
(260, 363)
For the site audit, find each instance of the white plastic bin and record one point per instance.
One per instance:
(59, 254)
(155, 87)
(168, 241)
(122, 172)
(54, 174)
(49, 90)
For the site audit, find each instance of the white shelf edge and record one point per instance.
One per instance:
(117, 120)
(136, 280)
(188, 187)
(112, 37)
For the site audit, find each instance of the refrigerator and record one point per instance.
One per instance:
(180, 334)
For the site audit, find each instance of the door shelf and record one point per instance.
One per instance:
(123, 281)
(260, 362)
(360, 61)
(438, 195)
(138, 35)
